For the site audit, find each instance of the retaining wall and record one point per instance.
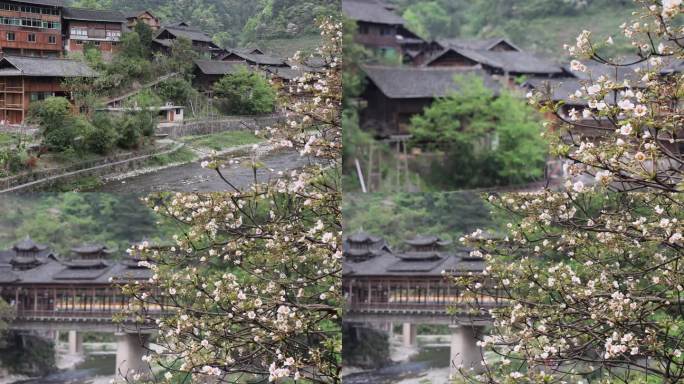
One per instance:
(236, 123)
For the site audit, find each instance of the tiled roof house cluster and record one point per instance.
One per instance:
(394, 94)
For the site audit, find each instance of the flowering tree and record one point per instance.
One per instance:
(590, 279)
(251, 288)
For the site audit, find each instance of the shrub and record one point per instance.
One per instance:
(103, 137)
(177, 90)
(53, 115)
(135, 127)
(245, 93)
(130, 135)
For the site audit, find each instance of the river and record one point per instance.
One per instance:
(97, 368)
(427, 363)
(192, 177)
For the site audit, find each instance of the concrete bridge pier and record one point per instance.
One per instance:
(75, 343)
(409, 334)
(465, 353)
(130, 349)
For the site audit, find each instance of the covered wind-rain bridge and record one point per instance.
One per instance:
(385, 287)
(49, 294)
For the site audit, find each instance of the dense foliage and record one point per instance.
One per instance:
(245, 92)
(26, 354)
(491, 140)
(401, 216)
(251, 289)
(63, 131)
(65, 220)
(233, 22)
(542, 25)
(591, 276)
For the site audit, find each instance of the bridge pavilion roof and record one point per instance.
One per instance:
(46, 267)
(412, 263)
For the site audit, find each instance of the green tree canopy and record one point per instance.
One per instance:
(245, 93)
(490, 140)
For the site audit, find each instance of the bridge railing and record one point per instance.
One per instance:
(61, 314)
(418, 307)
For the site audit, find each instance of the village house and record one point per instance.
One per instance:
(24, 80)
(208, 72)
(101, 29)
(168, 115)
(31, 28)
(145, 17)
(394, 94)
(379, 28)
(201, 41)
(253, 59)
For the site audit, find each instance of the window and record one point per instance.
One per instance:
(386, 31)
(363, 29)
(97, 43)
(113, 35)
(31, 37)
(78, 42)
(11, 36)
(52, 39)
(82, 32)
(38, 96)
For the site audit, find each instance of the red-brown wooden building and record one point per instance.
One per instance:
(145, 17)
(24, 80)
(99, 28)
(31, 28)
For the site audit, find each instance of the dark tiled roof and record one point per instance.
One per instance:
(558, 89)
(617, 74)
(427, 240)
(422, 82)
(28, 245)
(416, 266)
(285, 73)
(91, 248)
(426, 255)
(508, 61)
(190, 33)
(164, 42)
(43, 67)
(257, 58)
(134, 14)
(370, 11)
(250, 51)
(363, 237)
(93, 15)
(52, 3)
(45, 268)
(386, 263)
(389, 264)
(675, 66)
(476, 44)
(70, 273)
(86, 264)
(6, 274)
(216, 67)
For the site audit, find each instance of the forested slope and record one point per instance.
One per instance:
(236, 22)
(540, 25)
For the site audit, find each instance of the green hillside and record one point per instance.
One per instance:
(237, 22)
(538, 25)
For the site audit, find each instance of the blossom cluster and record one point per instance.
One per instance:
(589, 276)
(250, 287)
